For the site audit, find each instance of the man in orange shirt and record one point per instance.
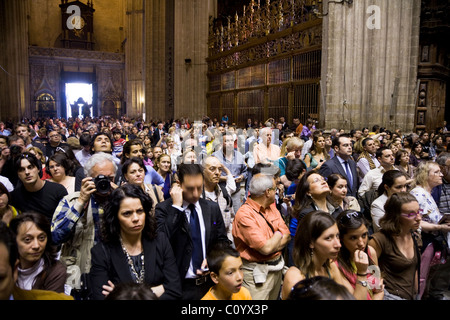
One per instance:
(260, 234)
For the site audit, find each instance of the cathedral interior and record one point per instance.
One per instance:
(345, 63)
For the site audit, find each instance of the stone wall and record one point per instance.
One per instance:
(369, 70)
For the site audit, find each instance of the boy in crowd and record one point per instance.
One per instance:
(118, 143)
(225, 265)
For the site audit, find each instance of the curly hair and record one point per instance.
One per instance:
(110, 222)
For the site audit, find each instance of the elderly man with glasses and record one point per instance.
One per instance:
(54, 141)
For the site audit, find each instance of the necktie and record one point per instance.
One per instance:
(197, 251)
(349, 175)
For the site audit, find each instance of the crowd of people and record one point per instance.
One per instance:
(104, 208)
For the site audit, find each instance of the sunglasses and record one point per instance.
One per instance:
(349, 215)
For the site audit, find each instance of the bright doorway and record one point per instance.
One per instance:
(78, 95)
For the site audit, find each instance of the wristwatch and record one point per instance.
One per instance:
(363, 283)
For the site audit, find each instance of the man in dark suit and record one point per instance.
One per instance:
(343, 164)
(178, 217)
(157, 134)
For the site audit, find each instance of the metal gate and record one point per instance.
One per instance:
(266, 63)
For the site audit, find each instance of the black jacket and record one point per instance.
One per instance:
(109, 262)
(175, 225)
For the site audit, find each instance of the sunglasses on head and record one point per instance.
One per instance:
(349, 215)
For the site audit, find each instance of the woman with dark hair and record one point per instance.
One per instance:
(354, 236)
(133, 172)
(396, 246)
(38, 264)
(392, 181)
(59, 168)
(316, 155)
(131, 249)
(416, 154)
(319, 288)
(7, 211)
(311, 195)
(408, 143)
(338, 193)
(402, 163)
(316, 244)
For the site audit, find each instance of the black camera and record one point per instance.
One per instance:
(102, 184)
(15, 150)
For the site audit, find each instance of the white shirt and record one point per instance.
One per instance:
(191, 272)
(372, 180)
(377, 211)
(364, 166)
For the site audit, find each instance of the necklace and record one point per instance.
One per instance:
(137, 278)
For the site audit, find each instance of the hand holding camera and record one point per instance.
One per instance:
(100, 184)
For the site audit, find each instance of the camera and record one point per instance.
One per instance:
(15, 150)
(102, 184)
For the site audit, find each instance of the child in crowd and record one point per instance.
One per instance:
(148, 158)
(225, 265)
(118, 143)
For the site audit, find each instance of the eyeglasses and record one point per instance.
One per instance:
(349, 215)
(411, 215)
(60, 149)
(321, 179)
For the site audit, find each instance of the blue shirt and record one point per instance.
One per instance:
(237, 166)
(153, 177)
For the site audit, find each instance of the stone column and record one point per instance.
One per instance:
(369, 66)
(14, 75)
(191, 51)
(134, 58)
(155, 57)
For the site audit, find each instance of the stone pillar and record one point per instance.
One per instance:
(155, 57)
(369, 64)
(134, 61)
(14, 85)
(191, 51)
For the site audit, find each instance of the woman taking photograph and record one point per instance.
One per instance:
(133, 171)
(316, 244)
(392, 181)
(354, 236)
(395, 245)
(132, 250)
(38, 265)
(338, 193)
